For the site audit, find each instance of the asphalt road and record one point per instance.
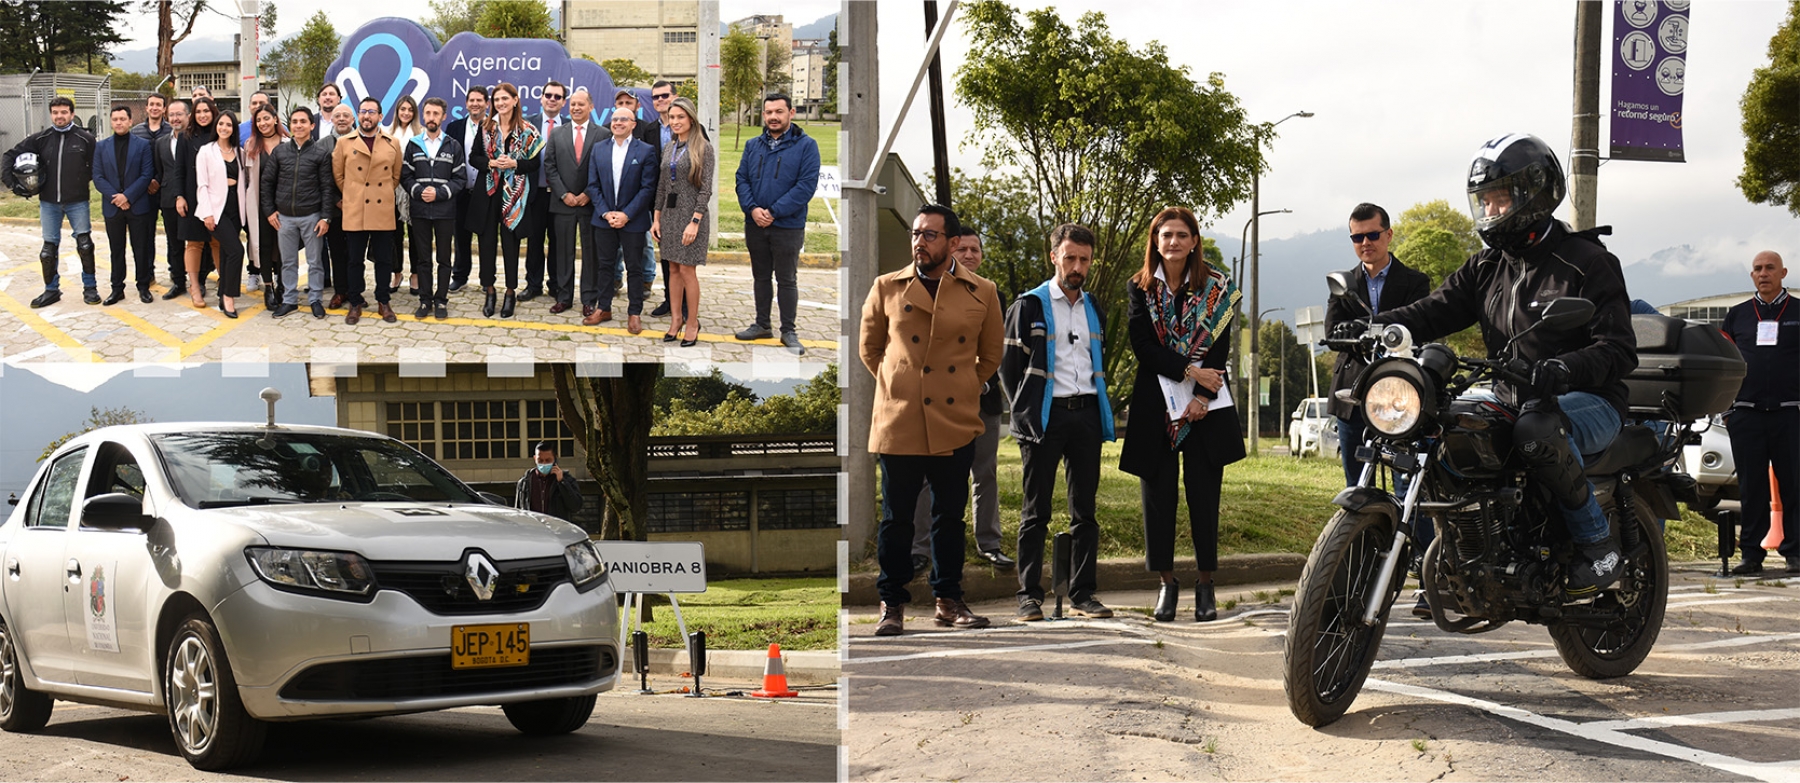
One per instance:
(663, 737)
(1128, 699)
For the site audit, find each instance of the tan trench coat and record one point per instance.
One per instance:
(366, 180)
(929, 359)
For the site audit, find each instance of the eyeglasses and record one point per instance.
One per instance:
(553, 96)
(1357, 239)
(370, 111)
(928, 235)
(661, 96)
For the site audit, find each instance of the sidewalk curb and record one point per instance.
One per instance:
(986, 583)
(804, 667)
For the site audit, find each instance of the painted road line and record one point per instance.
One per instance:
(143, 327)
(1445, 660)
(55, 336)
(998, 650)
(1775, 772)
(1711, 602)
(1699, 719)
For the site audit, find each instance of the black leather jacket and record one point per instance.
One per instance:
(298, 181)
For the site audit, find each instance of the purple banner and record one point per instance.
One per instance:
(391, 57)
(1649, 64)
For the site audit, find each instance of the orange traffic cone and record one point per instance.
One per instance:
(774, 677)
(1773, 539)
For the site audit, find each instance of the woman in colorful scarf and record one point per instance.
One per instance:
(514, 147)
(1179, 313)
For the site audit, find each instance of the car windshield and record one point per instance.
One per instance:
(216, 470)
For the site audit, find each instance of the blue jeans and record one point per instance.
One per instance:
(50, 218)
(1593, 423)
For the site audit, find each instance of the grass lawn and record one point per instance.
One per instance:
(749, 614)
(1269, 503)
(14, 207)
(731, 215)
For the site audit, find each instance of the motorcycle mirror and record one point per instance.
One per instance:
(1338, 283)
(1565, 313)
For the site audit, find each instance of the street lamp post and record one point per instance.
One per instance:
(1237, 273)
(1281, 369)
(1256, 283)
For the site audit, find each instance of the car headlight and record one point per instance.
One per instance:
(1391, 405)
(586, 566)
(333, 574)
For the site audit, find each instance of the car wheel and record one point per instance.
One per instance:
(205, 713)
(550, 716)
(21, 709)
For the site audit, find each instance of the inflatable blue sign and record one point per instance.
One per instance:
(392, 57)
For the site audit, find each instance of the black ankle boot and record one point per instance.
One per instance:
(1206, 609)
(507, 305)
(1166, 598)
(487, 307)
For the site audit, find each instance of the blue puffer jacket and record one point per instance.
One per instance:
(779, 176)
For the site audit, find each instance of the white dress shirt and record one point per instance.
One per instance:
(620, 148)
(1074, 371)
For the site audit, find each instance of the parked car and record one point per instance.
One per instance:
(1312, 430)
(229, 575)
(1709, 462)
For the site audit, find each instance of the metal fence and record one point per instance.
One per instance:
(25, 102)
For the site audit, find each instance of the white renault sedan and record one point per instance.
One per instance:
(232, 574)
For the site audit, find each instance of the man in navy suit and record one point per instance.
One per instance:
(122, 172)
(555, 97)
(622, 187)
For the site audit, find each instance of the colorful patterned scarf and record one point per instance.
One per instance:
(1188, 321)
(523, 142)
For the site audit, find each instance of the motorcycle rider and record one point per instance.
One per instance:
(65, 165)
(1515, 184)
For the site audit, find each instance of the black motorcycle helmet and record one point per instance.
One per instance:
(25, 172)
(1520, 176)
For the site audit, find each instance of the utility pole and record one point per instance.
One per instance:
(1584, 141)
(859, 104)
(709, 96)
(249, 52)
(940, 136)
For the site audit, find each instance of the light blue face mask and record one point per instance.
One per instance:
(545, 469)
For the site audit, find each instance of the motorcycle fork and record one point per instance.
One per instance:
(1390, 563)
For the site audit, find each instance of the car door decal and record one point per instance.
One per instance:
(101, 615)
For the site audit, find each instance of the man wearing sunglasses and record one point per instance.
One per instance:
(1377, 284)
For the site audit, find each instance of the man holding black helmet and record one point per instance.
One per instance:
(58, 172)
(1515, 184)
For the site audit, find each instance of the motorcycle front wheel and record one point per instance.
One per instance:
(1639, 601)
(1329, 648)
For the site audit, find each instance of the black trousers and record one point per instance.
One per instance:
(229, 235)
(337, 259)
(177, 249)
(902, 476)
(466, 225)
(1158, 492)
(375, 243)
(141, 230)
(536, 259)
(1759, 440)
(1073, 438)
(268, 251)
(429, 238)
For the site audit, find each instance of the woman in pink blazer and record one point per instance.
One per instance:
(221, 209)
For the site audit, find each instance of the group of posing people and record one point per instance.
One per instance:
(247, 197)
(935, 336)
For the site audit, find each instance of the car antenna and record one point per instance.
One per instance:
(270, 395)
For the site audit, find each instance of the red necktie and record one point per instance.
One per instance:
(578, 130)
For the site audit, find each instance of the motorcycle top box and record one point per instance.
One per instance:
(1690, 362)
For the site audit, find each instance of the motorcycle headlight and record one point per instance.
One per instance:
(1391, 405)
(333, 574)
(586, 566)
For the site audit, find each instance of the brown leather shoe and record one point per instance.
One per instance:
(893, 620)
(952, 613)
(354, 315)
(559, 308)
(602, 316)
(592, 319)
(386, 313)
(337, 301)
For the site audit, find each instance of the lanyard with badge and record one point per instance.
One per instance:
(674, 160)
(1767, 331)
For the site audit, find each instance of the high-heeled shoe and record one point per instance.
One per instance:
(508, 305)
(232, 313)
(1206, 609)
(487, 306)
(1166, 599)
(689, 342)
(672, 335)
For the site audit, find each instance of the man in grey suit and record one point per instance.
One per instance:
(167, 185)
(565, 170)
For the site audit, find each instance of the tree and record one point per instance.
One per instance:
(1771, 112)
(831, 72)
(778, 69)
(266, 19)
(449, 17)
(740, 84)
(1002, 207)
(169, 15)
(51, 35)
(1284, 362)
(701, 392)
(810, 410)
(626, 73)
(126, 81)
(1103, 136)
(96, 419)
(611, 419)
(304, 58)
(516, 19)
(1435, 238)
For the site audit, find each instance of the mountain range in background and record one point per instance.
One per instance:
(1295, 267)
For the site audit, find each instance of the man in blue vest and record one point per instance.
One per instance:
(1053, 376)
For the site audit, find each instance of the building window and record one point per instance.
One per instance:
(796, 509)
(415, 424)
(482, 430)
(543, 423)
(681, 512)
(679, 38)
(1711, 316)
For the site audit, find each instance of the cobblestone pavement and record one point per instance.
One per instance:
(170, 331)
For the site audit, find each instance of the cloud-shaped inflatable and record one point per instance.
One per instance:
(392, 57)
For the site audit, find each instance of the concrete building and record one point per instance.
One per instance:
(760, 504)
(775, 39)
(1707, 310)
(809, 77)
(661, 36)
(220, 77)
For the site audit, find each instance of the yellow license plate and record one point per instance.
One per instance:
(490, 646)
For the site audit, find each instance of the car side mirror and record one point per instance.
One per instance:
(495, 499)
(115, 511)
